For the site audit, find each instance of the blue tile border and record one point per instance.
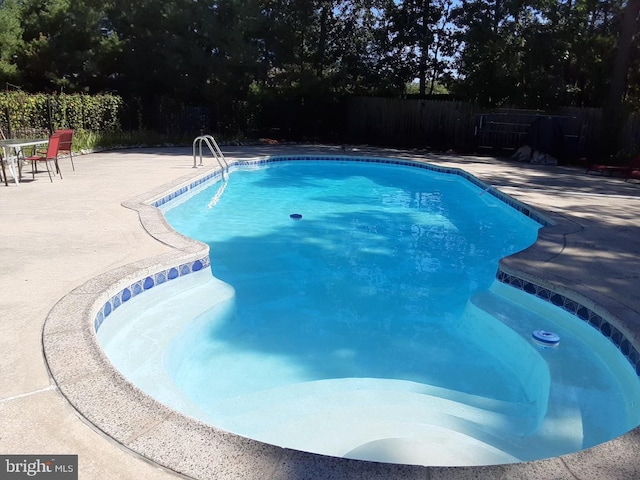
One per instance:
(561, 301)
(567, 304)
(575, 308)
(187, 188)
(525, 210)
(144, 284)
(571, 306)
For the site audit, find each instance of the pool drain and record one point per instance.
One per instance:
(295, 216)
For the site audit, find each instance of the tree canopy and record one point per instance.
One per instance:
(525, 53)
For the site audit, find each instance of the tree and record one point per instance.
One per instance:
(612, 118)
(421, 43)
(356, 55)
(237, 54)
(61, 44)
(489, 65)
(10, 40)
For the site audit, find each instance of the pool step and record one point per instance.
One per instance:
(357, 417)
(561, 429)
(136, 348)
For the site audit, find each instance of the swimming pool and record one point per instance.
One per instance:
(490, 400)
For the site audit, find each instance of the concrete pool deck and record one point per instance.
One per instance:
(57, 237)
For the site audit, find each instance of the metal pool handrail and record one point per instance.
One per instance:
(213, 148)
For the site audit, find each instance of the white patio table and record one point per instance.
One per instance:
(13, 158)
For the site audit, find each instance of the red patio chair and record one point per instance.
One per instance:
(50, 155)
(66, 141)
(623, 170)
(633, 174)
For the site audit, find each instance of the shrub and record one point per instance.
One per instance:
(25, 114)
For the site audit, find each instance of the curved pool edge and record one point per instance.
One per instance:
(106, 400)
(529, 271)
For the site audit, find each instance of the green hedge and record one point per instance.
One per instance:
(25, 114)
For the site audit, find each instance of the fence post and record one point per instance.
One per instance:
(50, 115)
(7, 114)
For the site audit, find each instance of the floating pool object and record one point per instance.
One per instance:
(548, 339)
(295, 216)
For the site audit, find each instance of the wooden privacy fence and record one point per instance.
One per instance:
(630, 135)
(438, 125)
(568, 133)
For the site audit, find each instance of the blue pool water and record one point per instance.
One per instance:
(372, 327)
(367, 284)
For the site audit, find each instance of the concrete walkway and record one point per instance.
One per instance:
(57, 236)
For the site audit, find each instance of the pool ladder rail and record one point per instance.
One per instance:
(213, 148)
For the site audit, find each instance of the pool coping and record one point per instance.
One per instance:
(108, 402)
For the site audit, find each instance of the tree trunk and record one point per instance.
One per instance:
(424, 47)
(613, 115)
(322, 41)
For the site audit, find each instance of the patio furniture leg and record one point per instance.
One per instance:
(34, 169)
(4, 173)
